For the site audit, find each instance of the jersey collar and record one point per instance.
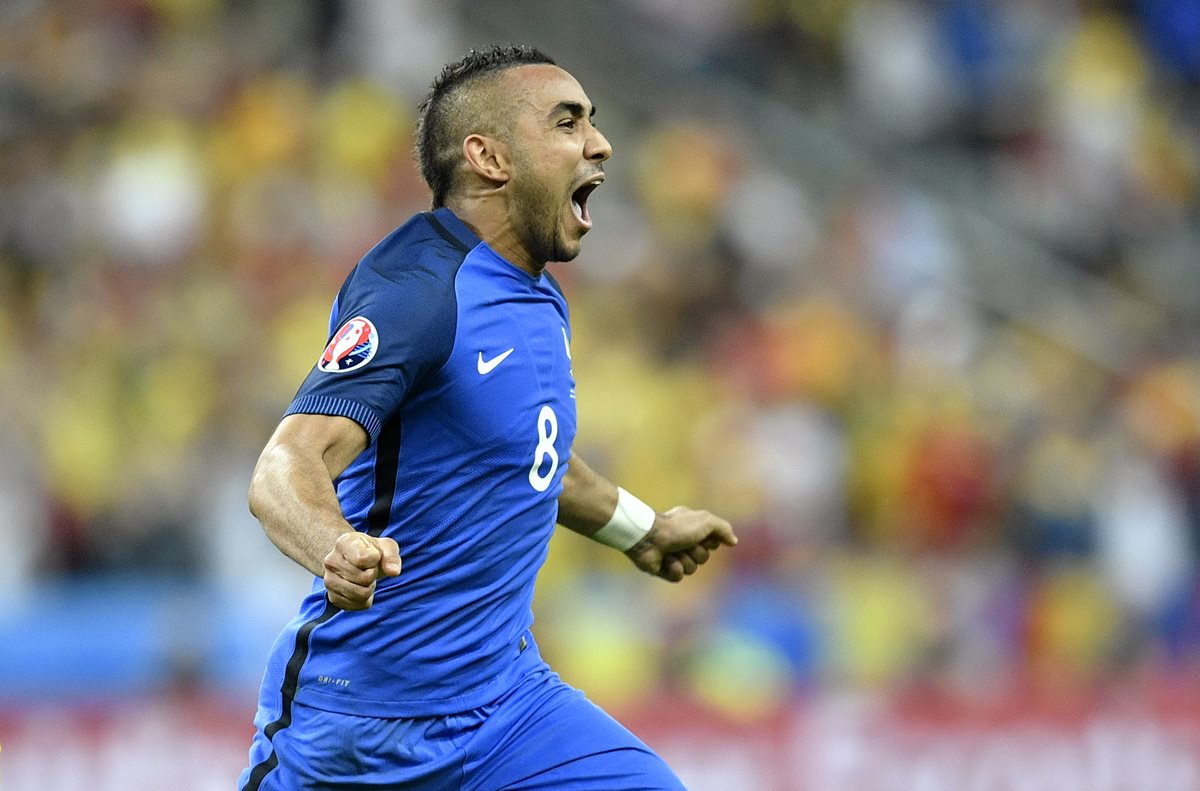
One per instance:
(456, 227)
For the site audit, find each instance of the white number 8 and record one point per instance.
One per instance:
(547, 428)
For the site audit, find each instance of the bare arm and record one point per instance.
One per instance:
(680, 541)
(292, 495)
(587, 500)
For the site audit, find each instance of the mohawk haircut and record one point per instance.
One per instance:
(453, 110)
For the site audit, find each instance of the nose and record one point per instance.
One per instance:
(597, 149)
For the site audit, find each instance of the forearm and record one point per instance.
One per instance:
(670, 545)
(292, 495)
(595, 507)
(588, 498)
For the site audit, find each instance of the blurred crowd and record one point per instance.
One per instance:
(927, 491)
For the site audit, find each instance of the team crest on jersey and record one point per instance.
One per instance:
(353, 346)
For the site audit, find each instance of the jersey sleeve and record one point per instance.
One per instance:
(384, 337)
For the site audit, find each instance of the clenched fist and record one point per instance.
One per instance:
(680, 541)
(356, 561)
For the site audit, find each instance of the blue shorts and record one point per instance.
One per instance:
(541, 734)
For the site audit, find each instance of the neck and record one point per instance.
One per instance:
(489, 218)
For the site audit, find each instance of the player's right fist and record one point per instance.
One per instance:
(356, 561)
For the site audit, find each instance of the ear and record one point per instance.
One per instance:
(488, 158)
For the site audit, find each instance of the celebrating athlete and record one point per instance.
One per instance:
(424, 462)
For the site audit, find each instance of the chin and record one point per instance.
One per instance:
(568, 251)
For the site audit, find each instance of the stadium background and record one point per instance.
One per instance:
(908, 291)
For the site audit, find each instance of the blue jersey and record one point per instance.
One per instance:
(457, 364)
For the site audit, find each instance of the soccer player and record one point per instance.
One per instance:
(437, 427)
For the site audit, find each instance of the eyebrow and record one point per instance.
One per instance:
(574, 108)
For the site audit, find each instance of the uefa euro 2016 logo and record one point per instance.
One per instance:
(352, 346)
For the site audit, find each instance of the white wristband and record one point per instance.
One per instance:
(629, 524)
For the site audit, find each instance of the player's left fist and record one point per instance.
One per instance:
(680, 542)
(356, 561)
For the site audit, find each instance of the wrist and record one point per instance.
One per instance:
(630, 525)
(639, 549)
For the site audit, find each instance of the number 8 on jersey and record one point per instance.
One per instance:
(547, 429)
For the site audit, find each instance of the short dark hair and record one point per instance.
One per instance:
(447, 116)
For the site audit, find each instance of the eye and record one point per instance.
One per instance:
(567, 123)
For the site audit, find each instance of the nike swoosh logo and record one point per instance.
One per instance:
(487, 366)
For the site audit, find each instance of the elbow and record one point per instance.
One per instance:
(255, 496)
(258, 497)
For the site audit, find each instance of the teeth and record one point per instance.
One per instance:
(577, 209)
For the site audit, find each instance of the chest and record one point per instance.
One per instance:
(508, 382)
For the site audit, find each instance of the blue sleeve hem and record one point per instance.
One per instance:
(327, 405)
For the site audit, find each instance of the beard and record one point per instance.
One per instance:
(540, 222)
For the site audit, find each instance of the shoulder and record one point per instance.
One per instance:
(403, 289)
(413, 267)
(421, 250)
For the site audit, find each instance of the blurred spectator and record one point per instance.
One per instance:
(927, 487)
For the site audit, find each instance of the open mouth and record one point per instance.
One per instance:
(579, 199)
